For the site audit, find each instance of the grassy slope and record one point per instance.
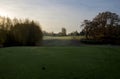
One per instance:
(60, 63)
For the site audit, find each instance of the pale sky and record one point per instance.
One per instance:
(55, 14)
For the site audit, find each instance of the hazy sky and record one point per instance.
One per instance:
(55, 14)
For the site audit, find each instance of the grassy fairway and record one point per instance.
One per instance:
(60, 63)
(62, 40)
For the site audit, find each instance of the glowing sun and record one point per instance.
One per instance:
(4, 13)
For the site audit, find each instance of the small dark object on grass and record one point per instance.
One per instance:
(43, 68)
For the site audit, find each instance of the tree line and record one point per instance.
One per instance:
(19, 32)
(104, 28)
(62, 33)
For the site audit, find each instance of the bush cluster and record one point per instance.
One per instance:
(18, 32)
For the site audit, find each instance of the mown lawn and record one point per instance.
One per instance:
(62, 37)
(60, 63)
(62, 40)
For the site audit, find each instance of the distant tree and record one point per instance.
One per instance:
(45, 33)
(82, 33)
(63, 32)
(105, 26)
(48, 33)
(74, 33)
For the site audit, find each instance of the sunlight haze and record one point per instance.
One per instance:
(55, 14)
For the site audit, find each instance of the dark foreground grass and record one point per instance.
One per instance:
(60, 63)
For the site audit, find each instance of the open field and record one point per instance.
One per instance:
(62, 40)
(95, 62)
(62, 37)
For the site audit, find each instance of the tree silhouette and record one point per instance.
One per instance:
(105, 27)
(19, 32)
(63, 32)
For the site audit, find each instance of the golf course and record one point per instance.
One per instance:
(85, 62)
(60, 39)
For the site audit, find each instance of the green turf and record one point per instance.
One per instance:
(60, 63)
(62, 37)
